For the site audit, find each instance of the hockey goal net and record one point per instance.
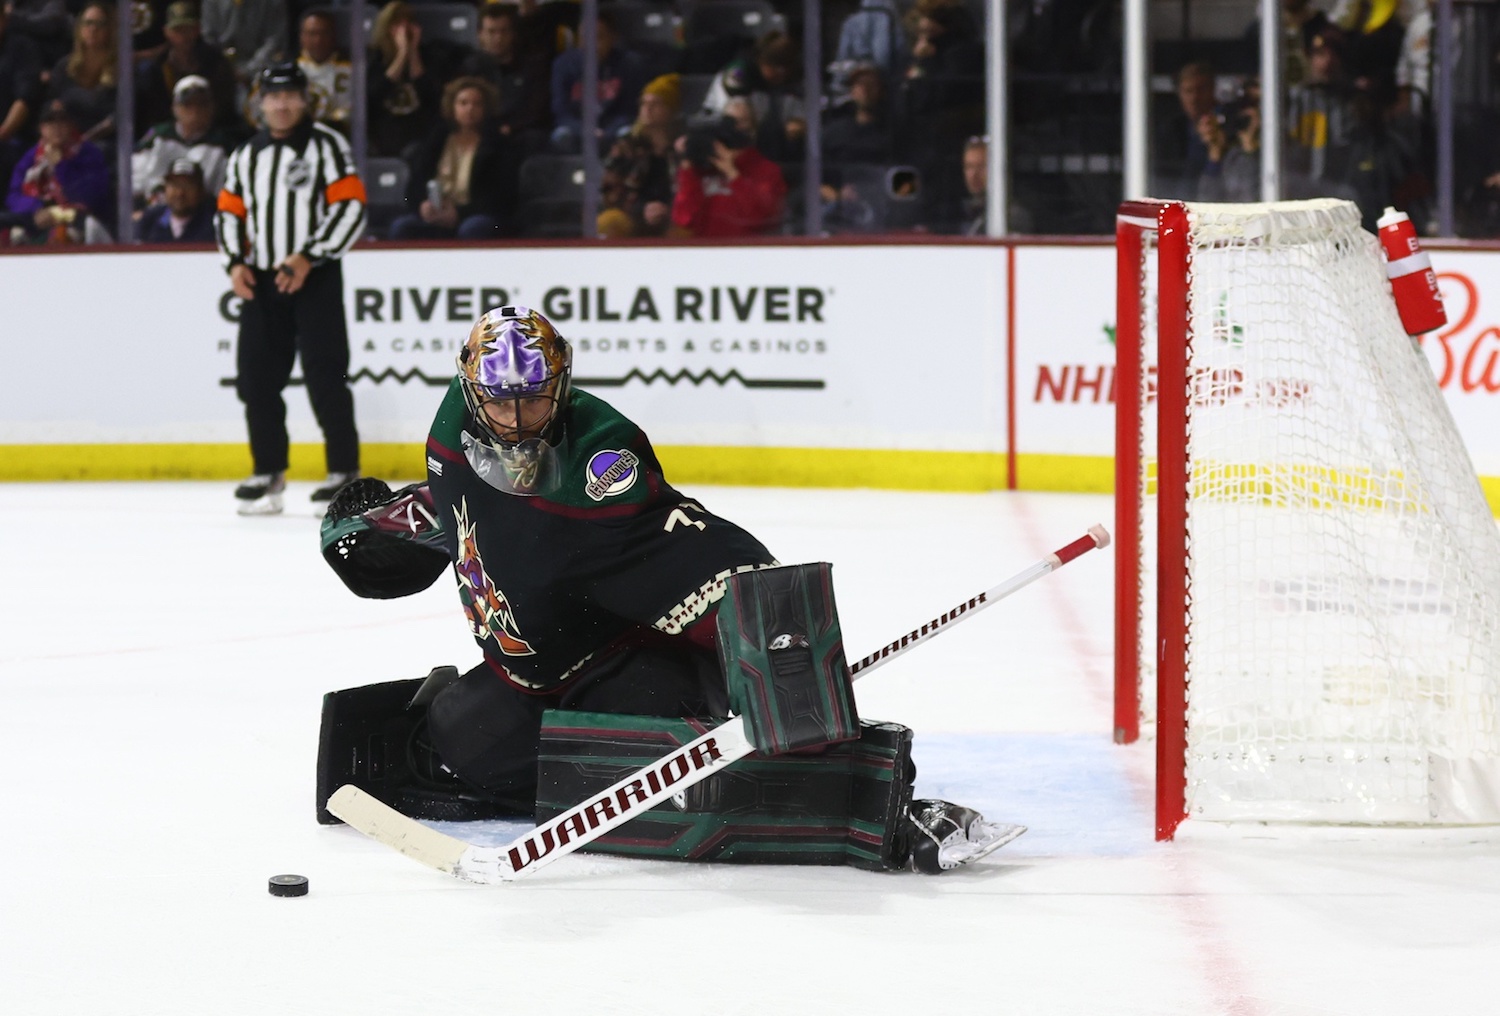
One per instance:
(1308, 575)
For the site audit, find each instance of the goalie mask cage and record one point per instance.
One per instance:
(1307, 573)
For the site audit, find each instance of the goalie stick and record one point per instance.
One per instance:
(642, 790)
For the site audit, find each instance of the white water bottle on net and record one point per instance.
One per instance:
(1308, 574)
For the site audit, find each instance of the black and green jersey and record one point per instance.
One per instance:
(614, 552)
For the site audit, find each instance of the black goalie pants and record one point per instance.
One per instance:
(274, 329)
(489, 732)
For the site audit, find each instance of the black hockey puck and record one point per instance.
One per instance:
(288, 885)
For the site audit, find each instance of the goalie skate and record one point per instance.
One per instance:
(946, 835)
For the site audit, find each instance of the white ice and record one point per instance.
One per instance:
(160, 678)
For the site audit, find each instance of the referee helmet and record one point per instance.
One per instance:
(285, 76)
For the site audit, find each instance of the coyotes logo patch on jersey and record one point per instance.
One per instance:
(485, 605)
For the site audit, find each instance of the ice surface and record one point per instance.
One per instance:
(160, 677)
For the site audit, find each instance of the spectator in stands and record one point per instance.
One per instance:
(856, 139)
(769, 80)
(872, 35)
(621, 75)
(1232, 140)
(20, 90)
(186, 215)
(547, 29)
(1479, 208)
(725, 188)
(190, 134)
(329, 83)
(1320, 121)
(742, 113)
(405, 82)
(942, 90)
(85, 78)
(946, 44)
(250, 33)
(521, 80)
(659, 116)
(463, 178)
(964, 213)
(615, 224)
(61, 186)
(945, 41)
(148, 19)
(639, 171)
(976, 167)
(1344, 144)
(963, 210)
(1300, 21)
(847, 208)
(1414, 68)
(860, 130)
(1373, 33)
(1384, 162)
(186, 53)
(48, 23)
(1179, 153)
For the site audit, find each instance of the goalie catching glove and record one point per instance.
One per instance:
(383, 543)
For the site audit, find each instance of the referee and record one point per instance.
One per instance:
(291, 206)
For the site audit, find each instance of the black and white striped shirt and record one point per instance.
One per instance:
(298, 195)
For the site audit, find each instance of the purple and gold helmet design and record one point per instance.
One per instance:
(514, 355)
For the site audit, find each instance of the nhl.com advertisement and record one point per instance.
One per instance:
(1065, 384)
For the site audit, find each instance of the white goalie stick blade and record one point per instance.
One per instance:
(640, 791)
(385, 824)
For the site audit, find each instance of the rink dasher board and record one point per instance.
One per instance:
(974, 366)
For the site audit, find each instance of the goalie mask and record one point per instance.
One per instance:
(515, 371)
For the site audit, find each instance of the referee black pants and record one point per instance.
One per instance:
(274, 328)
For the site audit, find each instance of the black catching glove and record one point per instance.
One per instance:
(383, 543)
(357, 497)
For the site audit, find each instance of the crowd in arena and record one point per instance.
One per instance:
(475, 125)
(1359, 90)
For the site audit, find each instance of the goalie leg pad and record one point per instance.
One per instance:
(376, 738)
(846, 805)
(782, 654)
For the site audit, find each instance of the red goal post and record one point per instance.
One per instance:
(1307, 585)
(1140, 227)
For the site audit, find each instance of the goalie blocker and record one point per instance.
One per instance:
(782, 654)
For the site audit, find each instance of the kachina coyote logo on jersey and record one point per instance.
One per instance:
(610, 473)
(488, 612)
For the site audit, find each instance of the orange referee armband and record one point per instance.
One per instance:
(350, 188)
(231, 203)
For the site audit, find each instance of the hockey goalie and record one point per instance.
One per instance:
(617, 620)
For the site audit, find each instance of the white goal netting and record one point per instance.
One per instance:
(1343, 567)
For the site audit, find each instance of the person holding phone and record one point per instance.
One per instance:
(463, 177)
